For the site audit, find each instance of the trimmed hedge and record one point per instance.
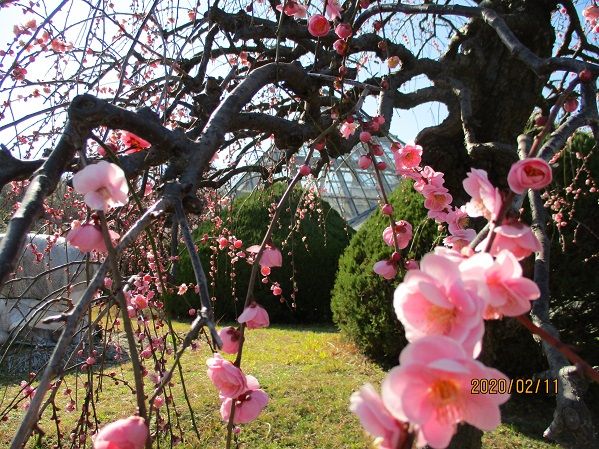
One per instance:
(362, 301)
(310, 256)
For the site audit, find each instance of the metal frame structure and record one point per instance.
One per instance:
(349, 189)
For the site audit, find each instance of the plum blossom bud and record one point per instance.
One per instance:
(364, 162)
(385, 268)
(531, 173)
(343, 30)
(130, 433)
(318, 26)
(254, 316)
(231, 338)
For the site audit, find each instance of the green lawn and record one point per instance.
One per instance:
(309, 374)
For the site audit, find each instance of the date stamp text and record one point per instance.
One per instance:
(518, 386)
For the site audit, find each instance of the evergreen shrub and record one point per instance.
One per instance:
(362, 301)
(310, 252)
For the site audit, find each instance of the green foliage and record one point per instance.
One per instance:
(575, 247)
(311, 251)
(362, 301)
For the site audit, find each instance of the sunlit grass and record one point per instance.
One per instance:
(309, 374)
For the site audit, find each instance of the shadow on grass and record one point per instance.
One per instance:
(529, 414)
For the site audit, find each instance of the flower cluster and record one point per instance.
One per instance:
(235, 387)
(442, 305)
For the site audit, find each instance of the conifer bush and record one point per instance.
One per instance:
(362, 301)
(311, 247)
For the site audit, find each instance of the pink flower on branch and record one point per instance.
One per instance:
(385, 268)
(318, 26)
(517, 238)
(128, 433)
(347, 129)
(293, 9)
(403, 233)
(88, 237)
(376, 419)
(591, 13)
(271, 256)
(228, 378)
(231, 339)
(532, 173)
(432, 388)
(247, 406)
(343, 30)
(133, 143)
(407, 158)
(500, 284)
(433, 300)
(103, 185)
(333, 9)
(254, 316)
(486, 199)
(436, 198)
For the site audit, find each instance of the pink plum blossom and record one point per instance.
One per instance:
(385, 268)
(333, 9)
(228, 378)
(432, 388)
(376, 419)
(347, 129)
(182, 289)
(231, 338)
(517, 238)
(364, 162)
(133, 143)
(343, 30)
(436, 198)
(318, 26)
(340, 46)
(571, 104)
(254, 316)
(434, 301)
(271, 256)
(591, 13)
(428, 177)
(293, 8)
(88, 237)
(103, 185)
(139, 301)
(500, 284)
(247, 406)
(459, 238)
(486, 200)
(128, 433)
(407, 158)
(365, 137)
(532, 173)
(403, 233)
(457, 219)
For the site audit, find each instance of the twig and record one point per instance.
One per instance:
(137, 369)
(201, 281)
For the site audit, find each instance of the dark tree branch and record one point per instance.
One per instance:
(14, 169)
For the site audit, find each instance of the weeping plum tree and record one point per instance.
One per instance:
(183, 98)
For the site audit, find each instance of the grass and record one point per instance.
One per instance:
(309, 374)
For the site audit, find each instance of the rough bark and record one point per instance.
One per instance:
(481, 66)
(483, 73)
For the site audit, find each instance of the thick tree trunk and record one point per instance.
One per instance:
(502, 89)
(503, 93)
